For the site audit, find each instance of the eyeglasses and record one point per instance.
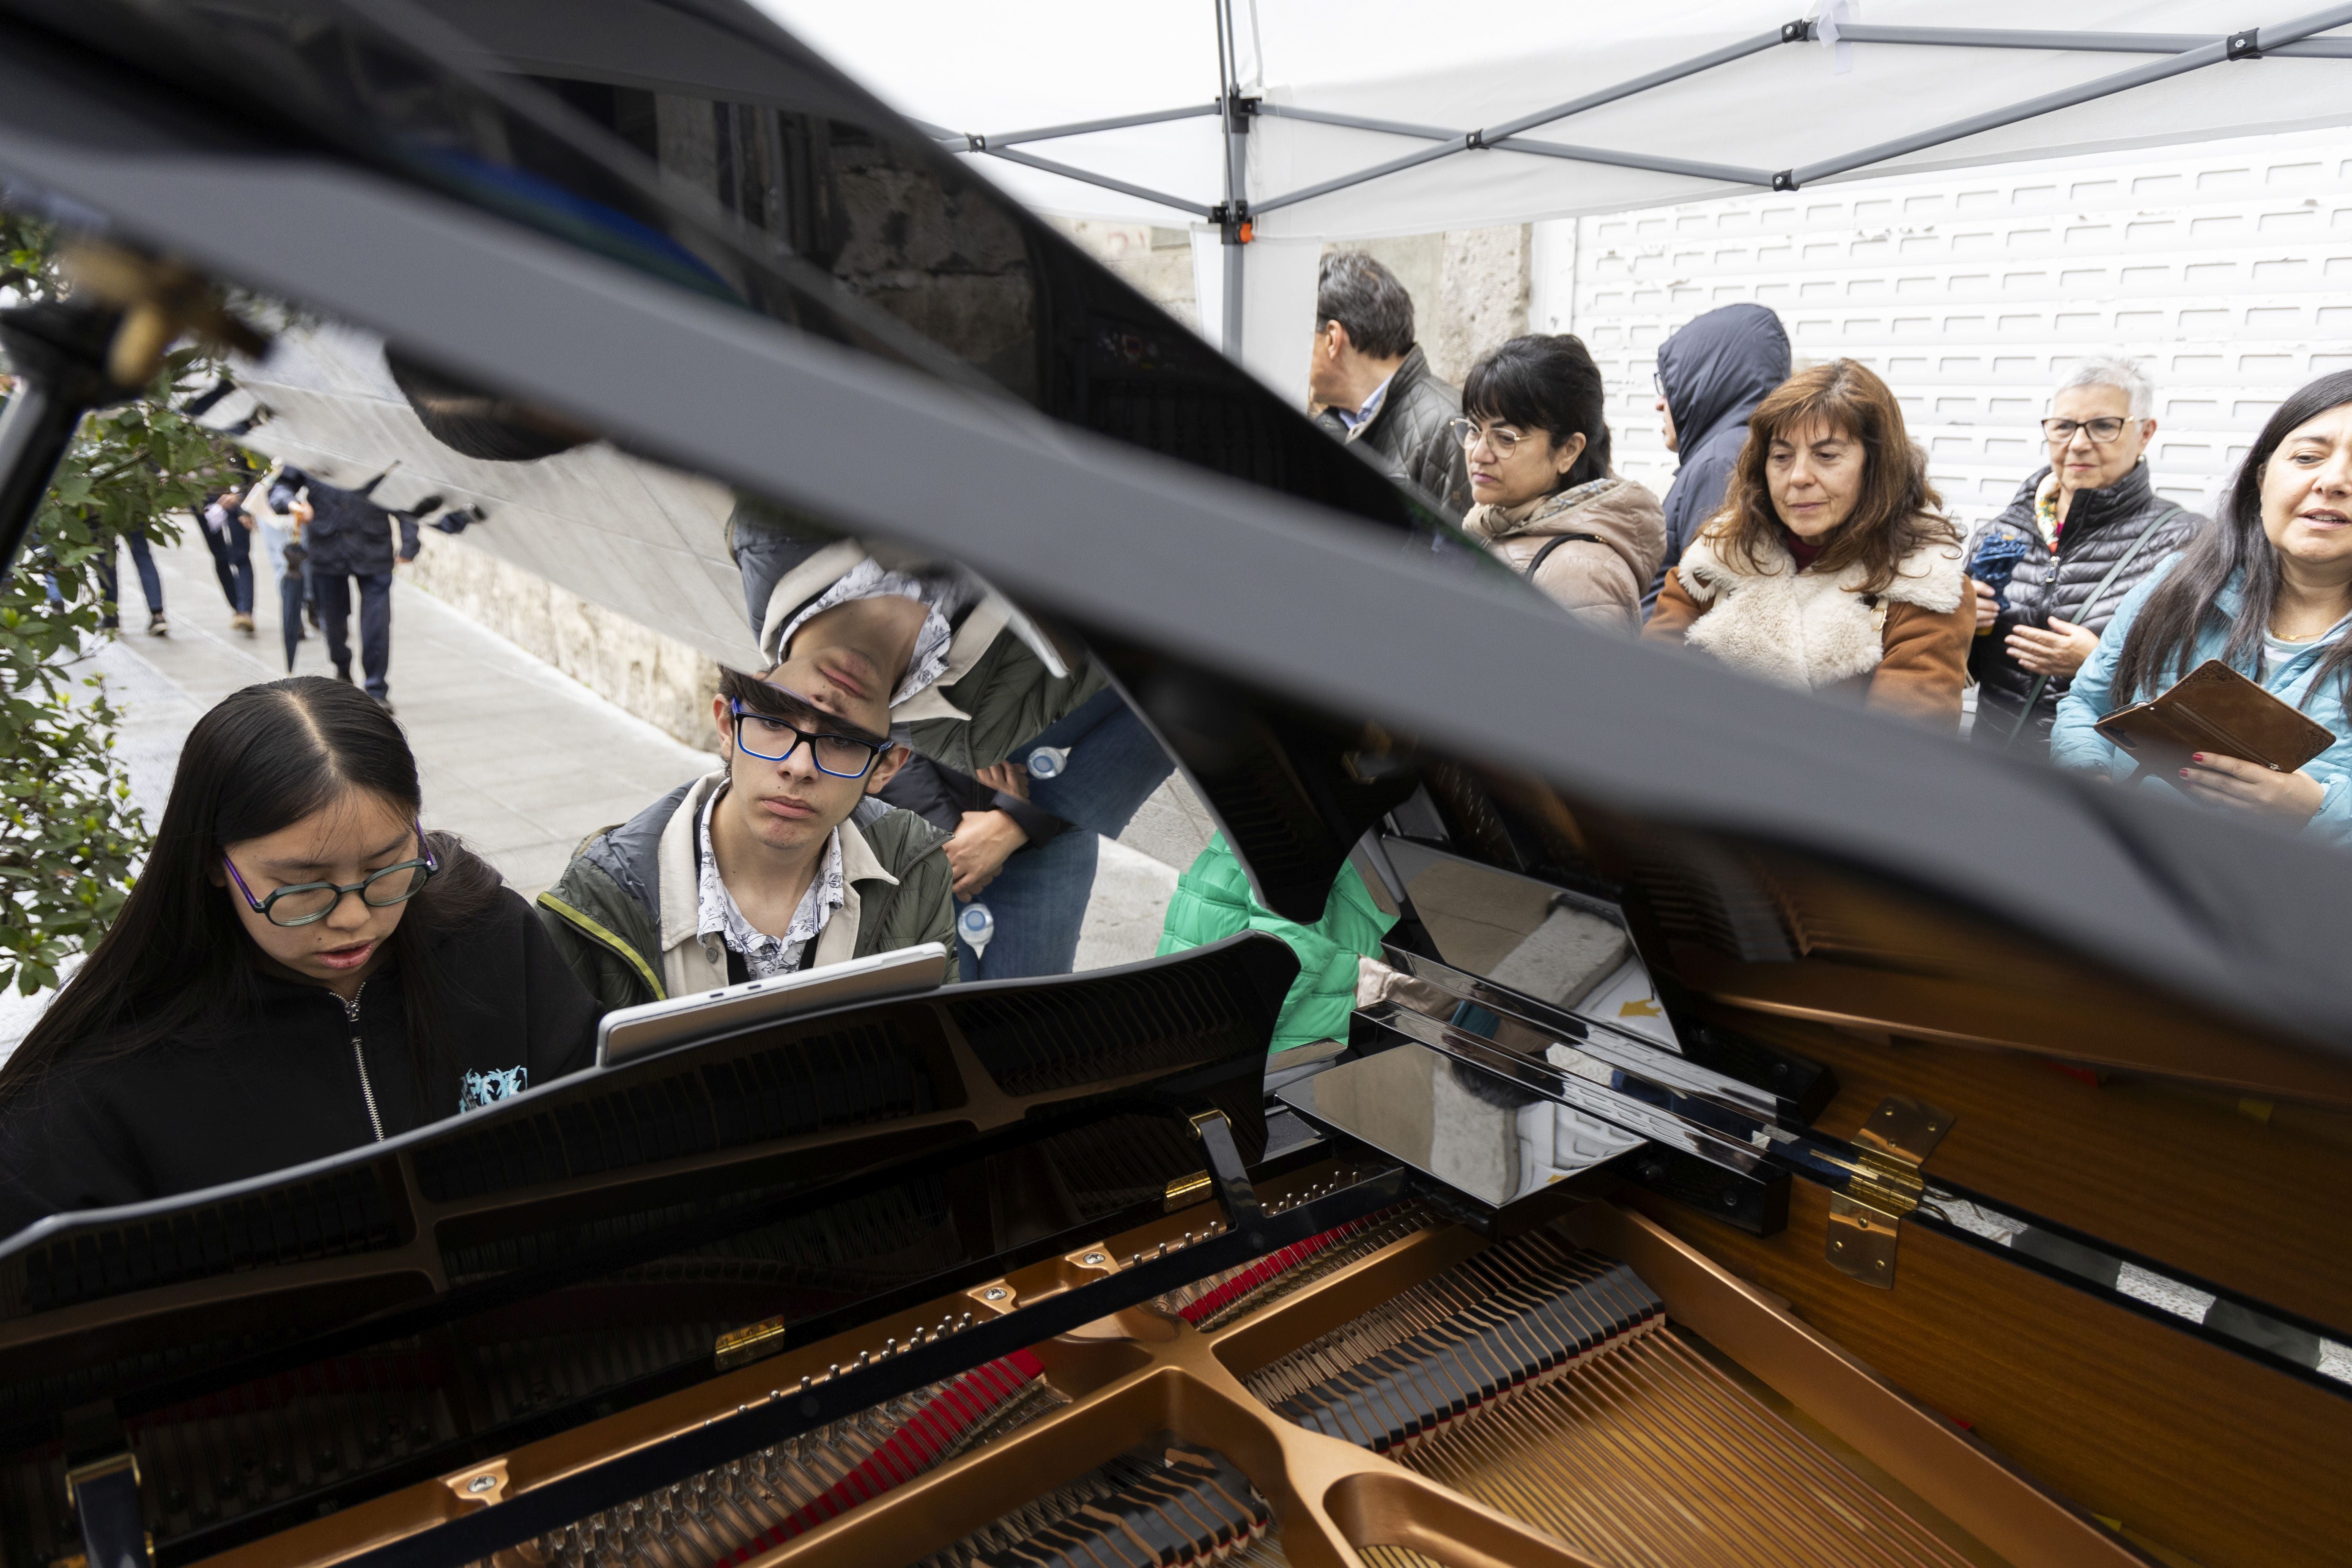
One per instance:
(303, 903)
(1469, 431)
(772, 740)
(2058, 432)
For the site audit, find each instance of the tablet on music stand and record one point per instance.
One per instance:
(631, 1033)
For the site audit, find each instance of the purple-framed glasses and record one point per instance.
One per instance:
(305, 902)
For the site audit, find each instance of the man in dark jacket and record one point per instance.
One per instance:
(1375, 384)
(1711, 377)
(2051, 570)
(348, 537)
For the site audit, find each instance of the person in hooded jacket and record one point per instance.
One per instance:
(1547, 505)
(1711, 375)
(2080, 534)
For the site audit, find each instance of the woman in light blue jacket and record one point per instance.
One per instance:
(2268, 591)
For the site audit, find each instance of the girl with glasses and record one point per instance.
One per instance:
(298, 969)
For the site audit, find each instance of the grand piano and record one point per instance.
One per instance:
(1740, 1163)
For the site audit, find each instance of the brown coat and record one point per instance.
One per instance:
(1800, 629)
(1600, 581)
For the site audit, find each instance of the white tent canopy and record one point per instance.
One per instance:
(1478, 112)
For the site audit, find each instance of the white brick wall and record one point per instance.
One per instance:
(2226, 268)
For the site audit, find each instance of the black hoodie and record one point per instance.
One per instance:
(1714, 371)
(285, 1087)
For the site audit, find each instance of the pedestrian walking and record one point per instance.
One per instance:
(1536, 445)
(1711, 375)
(349, 539)
(1831, 566)
(151, 582)
(1374, 382)
(279, 528)
(228, 535)
(2266, 590)
(2049, 573)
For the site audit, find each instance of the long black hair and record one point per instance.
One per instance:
(177, 959)
(1545, 383)
(2157, 649)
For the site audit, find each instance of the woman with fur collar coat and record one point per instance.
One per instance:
(1831, 566)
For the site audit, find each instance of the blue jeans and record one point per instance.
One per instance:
(1039, 899)
(334, 590)
(150, 582)
(232, 564)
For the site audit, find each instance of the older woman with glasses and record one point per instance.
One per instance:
(1545, 501)
(2082, 533)
(299, 969)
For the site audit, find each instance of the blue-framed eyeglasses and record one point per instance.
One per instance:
(772, 739)
(303, 903)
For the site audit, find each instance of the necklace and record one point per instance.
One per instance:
(2284, 635)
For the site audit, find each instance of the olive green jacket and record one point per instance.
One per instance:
(624, 914)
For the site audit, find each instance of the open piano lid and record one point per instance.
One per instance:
(610, 1228)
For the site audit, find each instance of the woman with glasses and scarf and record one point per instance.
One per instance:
(1545, 501)
(299, 969)
(2048, 574)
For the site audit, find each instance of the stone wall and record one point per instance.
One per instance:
(1470, 289)
(1156, 261)
(661, 681)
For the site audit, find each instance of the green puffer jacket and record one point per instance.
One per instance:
(1212, 901)
(624, 914)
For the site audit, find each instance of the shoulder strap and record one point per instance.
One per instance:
(1554, 543)
(2130, 554)
(2041, 682)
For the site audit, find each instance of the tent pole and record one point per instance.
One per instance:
(1234, 217)
(2248, 45)
(1088, 177)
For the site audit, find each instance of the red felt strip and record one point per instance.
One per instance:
(1266, 1269)
(911, 1449)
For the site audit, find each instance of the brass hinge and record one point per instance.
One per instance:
(739, 1347)
(1883, 1186)
(1183, 1192)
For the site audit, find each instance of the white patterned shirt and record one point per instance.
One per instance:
(764, 956)
(942, 591)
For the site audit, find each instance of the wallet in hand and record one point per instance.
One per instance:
(2215, 708)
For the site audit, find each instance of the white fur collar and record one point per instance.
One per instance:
(1805, 629)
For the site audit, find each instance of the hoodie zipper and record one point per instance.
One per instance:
(359, 1060)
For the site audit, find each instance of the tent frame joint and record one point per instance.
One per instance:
(1796, 32)
(2245, 46)
(1786, 180)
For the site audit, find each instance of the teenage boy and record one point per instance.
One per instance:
(782, 860)
(970, 683)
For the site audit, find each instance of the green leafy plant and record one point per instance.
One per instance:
(70, 837)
